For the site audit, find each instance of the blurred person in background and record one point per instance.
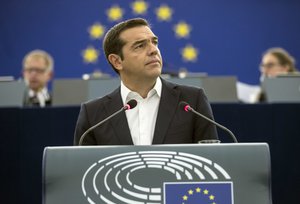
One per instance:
(37, 72)
(276, 62)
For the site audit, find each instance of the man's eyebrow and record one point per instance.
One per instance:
(155, 38)
(144, 40)
(138, 42)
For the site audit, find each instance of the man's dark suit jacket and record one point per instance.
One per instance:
(173, 125)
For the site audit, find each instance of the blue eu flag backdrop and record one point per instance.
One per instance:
(213, 37)
(199, 192)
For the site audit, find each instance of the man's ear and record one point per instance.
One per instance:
(115, 60)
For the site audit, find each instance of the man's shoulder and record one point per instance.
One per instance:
(96, 101)
(182, 87)
(103, 99)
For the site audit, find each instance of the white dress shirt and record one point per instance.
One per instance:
(42, 96)
(142, 118)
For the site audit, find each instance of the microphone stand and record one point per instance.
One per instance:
(101, 122)
(217, 124)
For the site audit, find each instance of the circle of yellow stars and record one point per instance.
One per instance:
(198, 191)
(140, 7)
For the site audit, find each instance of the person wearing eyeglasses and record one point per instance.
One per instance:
(37, 72)
(276, 62)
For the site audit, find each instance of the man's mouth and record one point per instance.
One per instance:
(153, 62)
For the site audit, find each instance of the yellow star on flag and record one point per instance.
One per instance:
(96, 31)
(115, 13)
(182, 29)
(198, 190)
(189, 53)
(164, 13)
(191, 192)
(184, 197)
(205, 191)
(211, 197)
(90, 55)
(139, 7)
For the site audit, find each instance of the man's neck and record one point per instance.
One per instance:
(142, 87)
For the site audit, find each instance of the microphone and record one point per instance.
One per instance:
(186, 107)
(130, 105)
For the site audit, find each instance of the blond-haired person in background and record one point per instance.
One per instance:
(37, 72)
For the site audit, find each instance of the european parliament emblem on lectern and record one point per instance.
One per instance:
(162, 174)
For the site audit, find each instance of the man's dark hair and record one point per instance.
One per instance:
(112, 44)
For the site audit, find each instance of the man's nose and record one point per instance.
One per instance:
(153, 49)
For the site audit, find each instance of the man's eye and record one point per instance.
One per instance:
(139, 46)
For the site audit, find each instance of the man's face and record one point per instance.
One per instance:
(141, 56)
(271, 67)
(35, 73)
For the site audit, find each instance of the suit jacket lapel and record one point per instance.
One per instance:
(119, 122)
(167, 108)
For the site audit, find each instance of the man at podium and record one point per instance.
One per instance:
(131, 48)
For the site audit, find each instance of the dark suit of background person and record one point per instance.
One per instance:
(33, 101)
(37, 72)
(132, 50)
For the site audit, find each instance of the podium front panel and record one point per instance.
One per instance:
(169, 174)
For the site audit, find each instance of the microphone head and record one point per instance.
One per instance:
(184, 106)
(130, 104)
